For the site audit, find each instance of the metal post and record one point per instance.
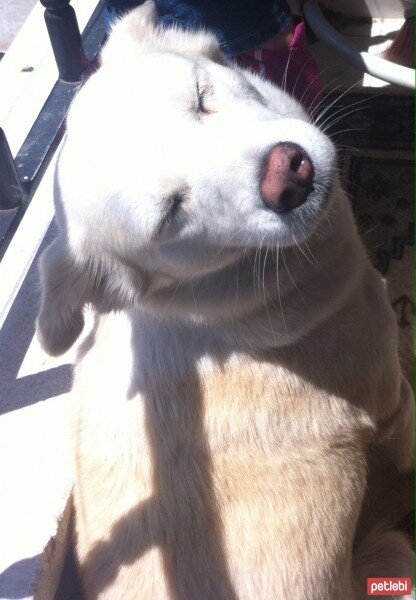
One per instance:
(11, 192)
(65, 38)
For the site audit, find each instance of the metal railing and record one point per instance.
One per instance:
(75, 56)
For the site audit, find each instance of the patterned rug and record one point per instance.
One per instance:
(376, 147)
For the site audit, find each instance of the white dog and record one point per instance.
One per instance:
(244, 353)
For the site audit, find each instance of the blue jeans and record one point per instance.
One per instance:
(239, 25)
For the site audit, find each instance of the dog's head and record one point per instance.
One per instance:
(175, 164)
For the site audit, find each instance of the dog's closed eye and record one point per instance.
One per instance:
(204, 91)
(172, 207)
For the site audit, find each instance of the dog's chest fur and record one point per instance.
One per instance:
(192, 459)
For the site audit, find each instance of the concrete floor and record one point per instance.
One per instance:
(12, 16)
(34, 452)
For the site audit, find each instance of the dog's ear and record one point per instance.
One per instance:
(69, 284)
(131, 32)
(65, 290)
(138, 31)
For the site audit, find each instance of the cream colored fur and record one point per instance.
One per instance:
(241, 363)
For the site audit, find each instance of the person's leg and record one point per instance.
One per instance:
(287, 61)
(117, 8)
(239, 25)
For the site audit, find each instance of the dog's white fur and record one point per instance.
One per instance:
(241, 362)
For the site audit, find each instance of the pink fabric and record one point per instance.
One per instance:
(293, 68)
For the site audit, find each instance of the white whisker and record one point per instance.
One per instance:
(278, 285)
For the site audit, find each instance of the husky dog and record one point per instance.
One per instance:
(244, 354)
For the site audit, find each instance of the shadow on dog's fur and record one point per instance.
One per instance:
(104, 560)
(128, 540)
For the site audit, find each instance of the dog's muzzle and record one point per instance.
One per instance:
(286, 177)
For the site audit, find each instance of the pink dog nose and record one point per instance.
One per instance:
(287, 177)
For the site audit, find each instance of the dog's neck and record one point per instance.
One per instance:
(270, 298)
